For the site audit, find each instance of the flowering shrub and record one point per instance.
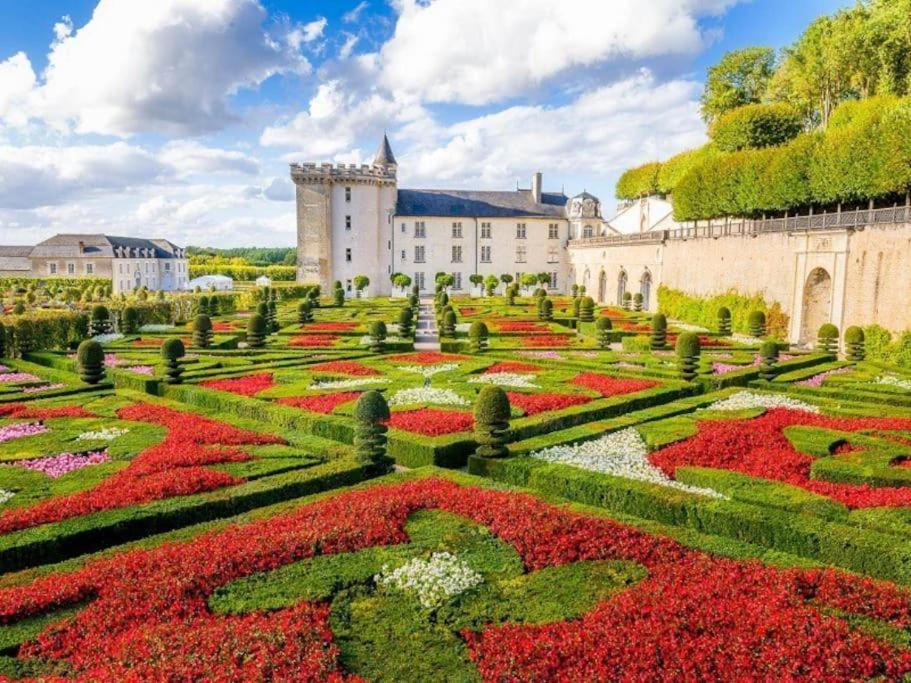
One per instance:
(21, 429)
(150, 341)
(544, 355)
(546, 340)
(405, 397)
(56, 466)
(24, 411)
(250, 385)
(759, 448)
(817, 379)
(431, 421)
(532, 404)
(519, 326)
(434, 581)
(426, 358)
(505, 379)
(744, 400)
(313, 340)
(429, 370)
(611, 386)
(468, 311)
(704, 340)
(221, 326)
(694, 617)
(513, 366)
(154, 327)
(107, 338)
(320, 403)
(345, 367)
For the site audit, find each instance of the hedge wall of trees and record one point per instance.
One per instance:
(703, 311)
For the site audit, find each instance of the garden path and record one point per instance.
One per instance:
(426, 336)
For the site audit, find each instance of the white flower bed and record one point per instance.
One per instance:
(156, 328)
(366, 340)
(622, 454)
(686, 327)
(5, 496)
(462, 327)
(893, 381)
(107, 338)
(445, 397)
(505, 379)
(348, 383)
(430, 370)
(745, 339)
(747, 399)
(108, 434)
(433, 582)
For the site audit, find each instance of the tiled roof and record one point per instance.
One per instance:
(61, 246)
(479, 203)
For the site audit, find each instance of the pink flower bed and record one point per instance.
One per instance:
(43, 387)
(146, 370)
(10, 377)
(57, 465)
(21, 429)
(818, 379)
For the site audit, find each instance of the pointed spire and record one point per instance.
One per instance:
(384, 155)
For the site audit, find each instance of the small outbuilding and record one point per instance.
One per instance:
(263, 281)
(207, 283)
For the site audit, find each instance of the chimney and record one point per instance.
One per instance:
(536, 180)
(81, 247)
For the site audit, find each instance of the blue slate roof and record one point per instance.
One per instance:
(479, 203)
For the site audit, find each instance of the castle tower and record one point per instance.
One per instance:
(344, 221)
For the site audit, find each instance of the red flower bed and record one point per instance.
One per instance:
(150, 341)
(611, 386)
(249, 385)
(759, 448)
(634, 327)
(546, 340)
(24, 411)
(695, 617)
(431, 421)
(174, 467)
(345, 367)
(330, 327)
(513, 366)
(321, 403)
(522, 327)
(221, 326)
(468, 311)
(532, 404)
(426, 358)
(313, 340)
(704, 340)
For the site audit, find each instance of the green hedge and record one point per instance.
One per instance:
(38, 330)
(704, 310)
(639, 182)
(756, 125)
(244, 273)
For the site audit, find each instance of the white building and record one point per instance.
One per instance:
(218, 283)
(643, 215)
(354, 220)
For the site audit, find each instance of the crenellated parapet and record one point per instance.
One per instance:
(312, 173)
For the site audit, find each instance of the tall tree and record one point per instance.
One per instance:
(741, 77)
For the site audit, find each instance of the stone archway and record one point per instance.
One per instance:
(816, 309)
(621, 287)
(602, 287)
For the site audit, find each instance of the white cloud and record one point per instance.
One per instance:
(354, 14)
(189, 157)
(17, 80)
(481, 51)
(279, 190)
(307, 33)
(348, 46)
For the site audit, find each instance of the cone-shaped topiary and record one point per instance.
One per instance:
(658, 337)
(101, 320)
(90, 362)
(627, 300)
(172, 351)
(491, 422)
(827, 339)
(637, 301)
(577, 307)
(768, 354)
(213, 306)
(272, 320)
(603, 327)
(546, 310)
(202, 331)
(202, 305)
(511, 292)
(129, 320)
(262, 308)
(756, 323)
(370, 413)
(855, 344)
(688, 350)
(478, 334)
(338, 296)
(587, 309)
(449, 323)
(305, 312)
(377, 335)
(256, 331)
(406, 322)
(724, 321)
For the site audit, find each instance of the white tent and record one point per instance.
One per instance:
(207, 283)
(263, 281)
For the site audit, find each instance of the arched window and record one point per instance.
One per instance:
(621, 287)
(602, 288)
(645, 288)
(588, 231)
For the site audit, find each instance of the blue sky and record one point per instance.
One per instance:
(178, 118)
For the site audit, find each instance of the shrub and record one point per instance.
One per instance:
(577, 307)
(827, 339)
(768, 354)
(757, 323)
(370, 413)
(637, 301)
(546, 310)
(256, 331)
(627, 300)
(511, 292)
(574, 290)
(377, 335)
(639, 182)
(90, 362)
(449, 323)
(213, 306)
(2, 339)
(129, 320)
(442, 299)
(202, 305)
(338, 296)
(304, 312)
(202, 331)
(587, 309)
(414, 301)
(756, 125)
(603, 327)
(101, 320)
(272, 319)
(688, 355)
(491, 420)
(478, 335)
(406, 322)
(490, 284)
(18, 308)
(262, 308)
(172, 351)
(724, 321)
(658, 338)
(854, 344)
(702, 310)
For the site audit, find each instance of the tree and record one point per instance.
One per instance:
(490, 283)
(506, 279)
(370, 414)
(445, 280)
(171, 352)
(304, 312)
(476, 280)
(491, 422)
(377, 335)
(528, 280)
(543, 279)
(361, 282)
(740, 77)
(338, 296)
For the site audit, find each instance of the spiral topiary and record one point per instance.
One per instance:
(627, 300)
(202, 331)
(172, 351)
(768, 354)
(129, 320)
(305, 312)
(688, 350)
(449, 323)
(603, 327)
(90, 362)
(101, 321)
(540, 293)
(406, 322)
(658, 337)
(587, 309)
(377, 335)
(262, 308)
(477, 335)
(442, 299)
(370, 413)
(637, 301)
(855, 344)
(827, 339)
(546, 310)
(724, 321)
(256, 331)
(491, 422)
(415, 290)
(338, 296)
(756, 323)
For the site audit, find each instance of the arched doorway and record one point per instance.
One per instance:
(586, 280)
(645, 288)
(817, 304)
(602, 287)
(621, 287)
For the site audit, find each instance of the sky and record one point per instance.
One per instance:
(178, 118)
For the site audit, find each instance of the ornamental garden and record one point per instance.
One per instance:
(274, 484)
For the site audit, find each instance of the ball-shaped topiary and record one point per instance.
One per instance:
(827, 339)
(637, 301)
(377, 335)
(406, 322)
(627, 300)
(768, 355)
(855, 344)
(603, 328)
(101, 320)
(491, 422)
(256, 331)
(724, 321)
(202, 331)
(688, 350)
(449, 323)
(587, 309)
(546, 310)
(172, 351)
(756, 323)
(658, 336)
(90, 362)
(129, 320)
(338, 296)
(478, 335)
(305, 312)
(370, 413)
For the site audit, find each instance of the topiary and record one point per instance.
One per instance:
(756, 322)
(587, 309)
(511, 292)
(449, 323)
(414, 302)
(19, 308)
(491, 422)
(855, 344)
(2, 336)
(202, 305)
(262, 308)
(370, 413)
(90, 362)
(377, 335)
(129, 320)
(637, 301)
(305, 312)
(546, 310)
(172, 351)
(603, 327)
(768, 354)
(627, 300)
(338, 296)
(272, 319)
(101, 321)
(406, 322)
(688, 350)
(827, 339)
(478, 335)
(724, 321)
(415, 290)
(442, 299)
(256, 331)
(202, 331)
(658, 337)
(577, 307)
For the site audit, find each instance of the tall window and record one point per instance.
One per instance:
(457, 280)
(89, 268)
(485, 231)
(520, 231)
(347, 222)
(457, 229)
(348, 254)
(456, 253)
(70, 268)
(553, 280)
(403, 254)
(553, 254)
(485, 254)
(419, 280)
(419, 254)
(520, 253)
(52, 268)
(347, 194)
(419, 229)
(403, 227)
(553, 231)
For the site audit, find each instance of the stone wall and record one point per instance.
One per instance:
(314, 235)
